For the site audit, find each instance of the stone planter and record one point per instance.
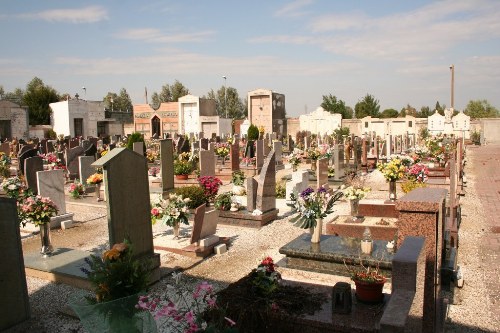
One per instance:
(369, 292)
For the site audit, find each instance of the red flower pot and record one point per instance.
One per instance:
(181, 177)
(369, 292)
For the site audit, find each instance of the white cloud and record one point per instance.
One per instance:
(294, 9)
(90, 14)
(151, 35)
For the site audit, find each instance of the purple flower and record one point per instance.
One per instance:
(322, 190)
(306, 192)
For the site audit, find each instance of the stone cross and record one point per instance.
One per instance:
(299, 182)
(338, 161)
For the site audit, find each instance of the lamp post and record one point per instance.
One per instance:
(225, 94)
(452, 69)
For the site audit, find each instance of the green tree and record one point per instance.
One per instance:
(230, 103)
(117, 102)
(425, 112)
(368, 106)
(37, 98)
(334, 105)
(2, 92)
(340, 133)
(16, 96)
(389, 113)
(440, 108)
(408, 111)
(169, 93)
(481, 109)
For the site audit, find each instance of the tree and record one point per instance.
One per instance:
(120, 102)
(408, 111)
(37, 98)
(425, 112)
(2, 92)
(16, 96)
(440, 108)
(340, 133)
(481, 109)
(230, 103)
(170, 93)
(334, 105)
(389, 113)
(368, 106)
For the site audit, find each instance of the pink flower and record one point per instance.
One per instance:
(189, 316)
(155, 212)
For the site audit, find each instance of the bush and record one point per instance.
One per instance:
(280, 190)
(51, 134)
(253, 133)
(223, 201)
(238, 178)
(475, 137)
(193, 192)
(182, 167)
(135, 137)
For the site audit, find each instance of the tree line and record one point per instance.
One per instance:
(369, 106)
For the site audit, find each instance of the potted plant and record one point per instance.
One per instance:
(223, 201)
(182, 169)
(5, 163)
(171, 211)
(117, 278)
(369, 283)
(211, 187)
(238, 179)
(222, 150)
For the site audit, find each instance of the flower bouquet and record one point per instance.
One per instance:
(95, 179)
(313, 154)
(153, 171)
(37, 209)
(294, 158)
(418, 172)
(356, 193)
(76, 190)
(52, 162)
(222, 150)
(265, 278)
(171, 211)
(13, 187)
(392, 170)
(210, 185)
(5, 163)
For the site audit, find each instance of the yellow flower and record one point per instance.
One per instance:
(120, 247)
(112, 254)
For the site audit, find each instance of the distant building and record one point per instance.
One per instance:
(199, 115)
(162, 121)
(267, 109)
(458, 125)
(320, 122)
(14, 121)
(76, 117)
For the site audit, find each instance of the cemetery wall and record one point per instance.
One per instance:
(18, 118)
(491, 129)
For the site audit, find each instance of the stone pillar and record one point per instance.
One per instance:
(422, 213)
(167, 164)
(338, 161)
(234, 156)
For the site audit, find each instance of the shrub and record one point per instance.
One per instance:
(253, 132)
(135, 137)
(223, 201)
(280, 190)
(182, 167)
(238, 178)
(193, 192)
(51, 134)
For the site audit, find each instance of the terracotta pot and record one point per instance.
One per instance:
(181, 177)
(369, 292)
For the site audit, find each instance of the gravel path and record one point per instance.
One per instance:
(248, 247)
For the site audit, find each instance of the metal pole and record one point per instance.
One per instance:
(225, 95)
(452, 68)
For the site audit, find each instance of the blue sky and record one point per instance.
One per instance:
(398, 51)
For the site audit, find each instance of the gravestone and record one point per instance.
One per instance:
(85, 168)
(31, 166)
(234, 157)
(259, 153)
(388, 146)
(51, 146)
(167, 164)
(211, 146)
(207, 163)
(266, 185)
(94, 141)
(138, 147)
(205, 224)
(91, 150)
(72, 160)
(85, 144)
(267, 149)
(25, 155)
(14, 303)
(299, 182)
(128, 203)
(251, 194)
(364, 152)
(25, 148)
(278, 149)
(75, 142)
(180, 142)
(5, 148)
(204, 143)
(50, 184)
(338, 161)
(43, 146)
(290, 144)
(322, 172)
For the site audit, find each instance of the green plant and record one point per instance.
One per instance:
(51, 134)
(280, 190)
(238, 178)
(182, 167)
(116, 274)
(223, 201)
(193, 192)
(135, 137)
(253, 133)
(366, 274)
(475, 137)
(423, 133)
(265, 278)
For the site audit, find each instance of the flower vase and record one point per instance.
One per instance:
(294, 168)
(392, 191)
(354, 208)
(223, 160)
(313, 165)
(176, 230)
(98, 191)
(316, 231)
(46, 248)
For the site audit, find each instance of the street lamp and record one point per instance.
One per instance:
(452, 68)
(225, 94)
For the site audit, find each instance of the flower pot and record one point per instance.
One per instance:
(46, 249)
(354, 208)
(369, 292)
(316, 231)
(181, 177)
(392, 191)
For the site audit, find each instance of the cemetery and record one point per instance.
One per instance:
(268, 232)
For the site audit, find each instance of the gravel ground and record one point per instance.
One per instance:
(247, 248)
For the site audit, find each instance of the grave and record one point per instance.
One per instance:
(298, 183)
(27, 153)
(85, 168)
(322, 172)
(380, 228)
(5, 148)
(71, 159)
(138, 147)
(50, 184)
(31, 166)
(167, 164)
(207, 163)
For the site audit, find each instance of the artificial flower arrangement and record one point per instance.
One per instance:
(325, 150)
(331, 171)
(311, 206)
(52, 162)
(313, 154)
(76, 189)
(5, 163)
(183, 310)
(36, 209)
(170, 211)
(418, 172)
(294, 158)
(356, 193)
(153, 171)
(152, 155)
(222, 150)
(248, 160)
(13, 187)
(211, 186)
(185, 156)
(265, 278)
(223, 201)
(95, 179)
(392, 170)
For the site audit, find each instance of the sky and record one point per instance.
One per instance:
(398, 51)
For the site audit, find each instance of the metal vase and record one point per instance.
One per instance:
(46, 248)
(392, 190)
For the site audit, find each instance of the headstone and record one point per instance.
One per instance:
(376, 151)
(14, 303)
(167, 164)
(25, 148)
(75, 142)
(128, 203)
(322, 172)
(85, 144)
(211, 146)
(259, 154)
(207, 163)
(205, 224)
(72, 160)
(364, 152)
(267, 149)
(85, 168)
(266, 185)
(50, 184)
(234, 157)
(338, 161)
(180, 142)
(91, 150)
(138, 147)
(5, 148)
(94, 141)
(31, 166)
(299, 183)
(388, 146)
(204, 143)
(251, 194)
(278, 149)
(23, 156)
(199, 215)
(43, 146)
(290, 144)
